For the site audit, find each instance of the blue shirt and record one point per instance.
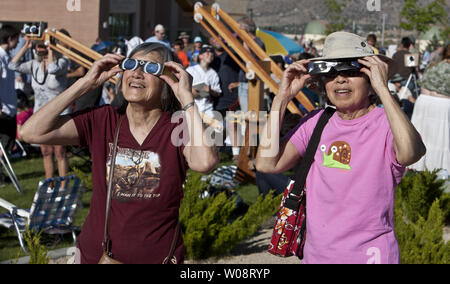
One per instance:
(8, 97)
(163, 42)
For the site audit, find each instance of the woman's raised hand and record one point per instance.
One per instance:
(377, 71)
(183, 88)
(103, 69)
(294, 79)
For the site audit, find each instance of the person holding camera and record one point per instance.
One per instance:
(361, 157)
(49, 78)
(398, 66)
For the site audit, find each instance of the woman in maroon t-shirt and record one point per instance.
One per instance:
(151, 162)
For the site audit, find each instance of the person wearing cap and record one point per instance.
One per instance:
(159, 36)
(193, 54)
(398, 65)
(184, 36)
(206, 82)
(361, 157)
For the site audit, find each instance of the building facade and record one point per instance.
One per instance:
(87, 20)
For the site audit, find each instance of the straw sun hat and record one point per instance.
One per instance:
(343, 45)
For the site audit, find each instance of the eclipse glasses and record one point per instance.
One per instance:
(35, 29)
(147, 66)
(332, 68)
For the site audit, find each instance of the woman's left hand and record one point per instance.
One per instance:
(183, 88)
(377, 71)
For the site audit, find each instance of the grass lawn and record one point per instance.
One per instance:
(30, 171)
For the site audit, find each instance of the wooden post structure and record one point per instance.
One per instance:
(255, 105)
(69, 47)
(224, 28)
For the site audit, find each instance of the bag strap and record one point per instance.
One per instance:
(308, 158)
(173, 245)
(106, 241)
(106, 244)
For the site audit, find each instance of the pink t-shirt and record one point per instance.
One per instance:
(350, 190)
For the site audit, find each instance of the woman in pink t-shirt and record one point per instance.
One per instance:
(361, 157)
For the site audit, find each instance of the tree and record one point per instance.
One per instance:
(417, 18)
(336, 21)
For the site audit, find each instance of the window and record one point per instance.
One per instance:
(121, 25)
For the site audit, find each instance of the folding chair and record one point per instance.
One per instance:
(9, 170)
(52, 211)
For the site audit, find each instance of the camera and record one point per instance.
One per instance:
(412, 60)
(34, 29)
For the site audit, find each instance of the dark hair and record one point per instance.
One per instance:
(372, 37)
(65, 32)
(446, 52)
(22, 100)
(169, 102)
(7, 32)
(178, 42)
(406, 42)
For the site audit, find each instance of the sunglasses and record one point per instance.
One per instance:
(345, 73)
(148, 67)
(333, 68)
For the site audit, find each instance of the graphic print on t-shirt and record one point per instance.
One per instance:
(136, 174)
(338, 157)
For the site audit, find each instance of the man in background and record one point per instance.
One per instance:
(9, 37)
(159, 36)
(372, 41)
(206, 82)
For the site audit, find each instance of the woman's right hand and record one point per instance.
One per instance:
(293, 79)
(102, 70)
(28, 43)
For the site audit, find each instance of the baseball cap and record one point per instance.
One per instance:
(159, 27)
(198, 39)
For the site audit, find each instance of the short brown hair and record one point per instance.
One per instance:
(446, 53)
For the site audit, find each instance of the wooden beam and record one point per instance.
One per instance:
(274, 68)
(226, 34)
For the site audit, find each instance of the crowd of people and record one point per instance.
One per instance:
(219, 83)
(57, 98)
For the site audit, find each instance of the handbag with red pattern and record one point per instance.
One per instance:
(289, 233)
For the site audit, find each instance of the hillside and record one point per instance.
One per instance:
(291, 16)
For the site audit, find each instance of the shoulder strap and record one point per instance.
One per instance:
(308, 158)
(106, 241)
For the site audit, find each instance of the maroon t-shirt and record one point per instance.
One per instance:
(146, 194)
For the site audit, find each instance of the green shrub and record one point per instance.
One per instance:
(38, 252)
(421, 209)
(209, 227)
(419, 190)
(86, 178)
(422, 242)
